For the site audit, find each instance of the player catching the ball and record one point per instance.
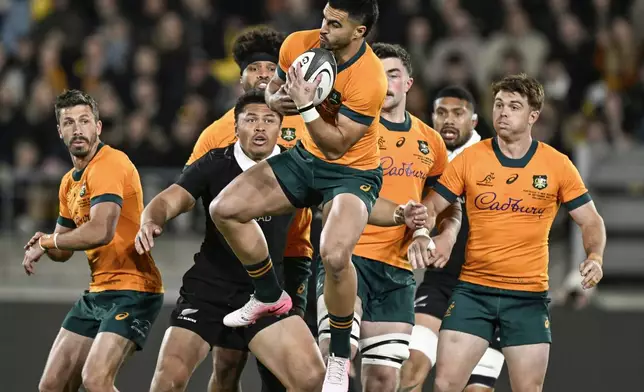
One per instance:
(336, 165)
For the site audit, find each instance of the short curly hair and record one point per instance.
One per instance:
(524, 85)
(386, 51)
(260, 39)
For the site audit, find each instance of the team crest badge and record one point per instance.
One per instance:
(288, 134)
(540, 182)
(83, 190)
(423, 147)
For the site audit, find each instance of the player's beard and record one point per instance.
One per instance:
(461, 139)
(83, 150)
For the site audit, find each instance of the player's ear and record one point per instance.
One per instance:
(475, 120)
(408, 84)
(534, 116)
(360, 32)
(99, 127)
(60, 133)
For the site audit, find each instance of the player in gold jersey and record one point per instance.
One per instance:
(100, 203)
(513, 187)
(412, 157)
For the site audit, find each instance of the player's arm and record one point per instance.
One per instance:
(275, 94)
(333, 140)
(593, 231)
(173, 201)
(386, 213)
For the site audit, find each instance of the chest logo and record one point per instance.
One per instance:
(423, 147)
(381, 143)
(400, 142)
(512, 179)
(83, 190)
(288, 134)
(487, 180)
(540, 182)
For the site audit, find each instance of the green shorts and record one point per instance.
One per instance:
(386, 292)
(309, 181)
(124, 312)
(521, 316)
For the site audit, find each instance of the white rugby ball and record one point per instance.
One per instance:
(318, 61)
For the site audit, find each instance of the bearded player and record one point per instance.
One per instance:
(256, 52)
(513, 187)
(455, 118)
(100, 203)
(413, 156)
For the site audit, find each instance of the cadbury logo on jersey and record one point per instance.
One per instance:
(488, 201)
(405, 169)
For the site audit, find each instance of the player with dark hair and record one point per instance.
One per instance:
(412, 156)
(455, 119)
(513, 186)
(256, 52)
(100, 203)
(217, 283)
(336, 165)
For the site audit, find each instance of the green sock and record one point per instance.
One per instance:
(340, 335)
(267, 287)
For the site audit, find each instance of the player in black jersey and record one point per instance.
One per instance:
(217, 283)
(454, 118)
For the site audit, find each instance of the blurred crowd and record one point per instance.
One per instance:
(162, 70)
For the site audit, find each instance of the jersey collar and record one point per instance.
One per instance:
(244, 161)
(354, 58)
(512, 162)
(78, 174)
(404, 126)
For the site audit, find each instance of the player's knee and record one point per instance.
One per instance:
(445, 383)
(227, 371)
(528, 384)
(335, 259)
(224, 208)
(415, 369)
(311, 381)
(97, 378)
(381, 379)
(171, 375)
(50, 384)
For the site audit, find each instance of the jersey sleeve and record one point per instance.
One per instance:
(572, 191)
(64, 215)
(289, 51)
(451, 185)
(298, 241)
(218, 134)
(107, 181)
(440, 161)
(364, 98)
(194, 178)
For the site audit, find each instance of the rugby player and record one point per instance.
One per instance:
(336, 165)
(217, 284)
(412, 158)
(455, 119)
(513, 186)
(256, 52)
(100, 203)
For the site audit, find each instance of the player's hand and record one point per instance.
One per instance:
(144, 241)
(421, 251)
(300, 91)
(415, 214)
(34, 240)
(440, 256)
(591, 272)
(32, 255)
(281, 102)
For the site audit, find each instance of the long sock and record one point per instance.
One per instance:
(267, 287)
(340, 335)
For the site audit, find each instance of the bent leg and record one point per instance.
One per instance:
(345, 219)
(288, 350)
(105, 358)
(227, 368)
(527, 366)
(423, 349)
(458, 354)
(181, 352)
(65, 362)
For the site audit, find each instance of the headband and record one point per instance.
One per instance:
(261, 56)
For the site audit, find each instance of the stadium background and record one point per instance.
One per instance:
(162, 70)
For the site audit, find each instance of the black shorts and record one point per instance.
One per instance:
(201, 308)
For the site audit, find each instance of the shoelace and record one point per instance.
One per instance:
(335, 370)
(249, 308)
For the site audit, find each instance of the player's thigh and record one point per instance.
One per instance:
(65, 361)
(458, 354)
(524, 318)
(129, 314)
(344, 219)
(258, 192)
(487, 371)
(181, 352)
(288, 350)
(105, 358)
(227, 367)
(384, 346)
(527, 365)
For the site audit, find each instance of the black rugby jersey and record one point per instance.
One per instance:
(215, 262)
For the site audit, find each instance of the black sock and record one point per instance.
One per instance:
(340, 335)
(267, 288)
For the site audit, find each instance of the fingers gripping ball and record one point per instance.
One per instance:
(319, 62)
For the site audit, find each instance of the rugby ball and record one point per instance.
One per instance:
(318, 61)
